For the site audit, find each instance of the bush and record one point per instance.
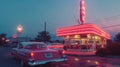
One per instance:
(101, 52)
(110, 49)
(113, 48)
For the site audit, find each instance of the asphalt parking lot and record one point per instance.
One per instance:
(6, 60)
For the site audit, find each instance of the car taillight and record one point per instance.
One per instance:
(31, 54)
(63, 52)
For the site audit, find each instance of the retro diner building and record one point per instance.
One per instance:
(83, 36)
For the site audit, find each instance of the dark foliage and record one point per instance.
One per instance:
(112, 48)
(43, 36)
(117, 37)
(101, 52)
(2, 39)
(57, 41)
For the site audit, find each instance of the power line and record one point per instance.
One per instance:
(112, 26)
(109, 18)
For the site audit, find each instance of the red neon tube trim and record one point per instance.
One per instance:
(81, 29)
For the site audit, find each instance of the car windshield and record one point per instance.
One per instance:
(35, 46)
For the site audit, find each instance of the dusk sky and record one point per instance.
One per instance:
(56, 13)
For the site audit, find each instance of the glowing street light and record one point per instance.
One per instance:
(19, 29)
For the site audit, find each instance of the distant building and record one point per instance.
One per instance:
(54, 38)
(21, 39)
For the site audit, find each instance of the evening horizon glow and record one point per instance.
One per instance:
(32, 14)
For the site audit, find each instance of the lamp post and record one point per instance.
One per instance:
(19, 31)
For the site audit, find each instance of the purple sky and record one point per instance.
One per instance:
(57, 13)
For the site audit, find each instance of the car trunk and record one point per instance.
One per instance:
(46, 54)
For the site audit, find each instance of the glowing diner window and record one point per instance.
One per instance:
(93, 37)
(88, 36)
(67, 37)
(77, 36)
(84, 41)
(96, 37)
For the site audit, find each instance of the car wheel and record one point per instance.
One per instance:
(23, 64)
(50, 64)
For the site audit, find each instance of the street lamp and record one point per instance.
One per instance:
(19, 31)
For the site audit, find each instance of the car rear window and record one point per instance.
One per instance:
(57, 44)
(35, 46)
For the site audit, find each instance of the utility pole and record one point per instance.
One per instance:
(45, 32)
(45, 26)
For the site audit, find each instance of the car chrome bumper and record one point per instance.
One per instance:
(46, 61)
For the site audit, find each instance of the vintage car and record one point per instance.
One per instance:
(36, 53)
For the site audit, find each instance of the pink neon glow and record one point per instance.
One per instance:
(82, 29)
(82, 11)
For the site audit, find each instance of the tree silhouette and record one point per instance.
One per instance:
(117, 37)
(43, 36)
(2, 38)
